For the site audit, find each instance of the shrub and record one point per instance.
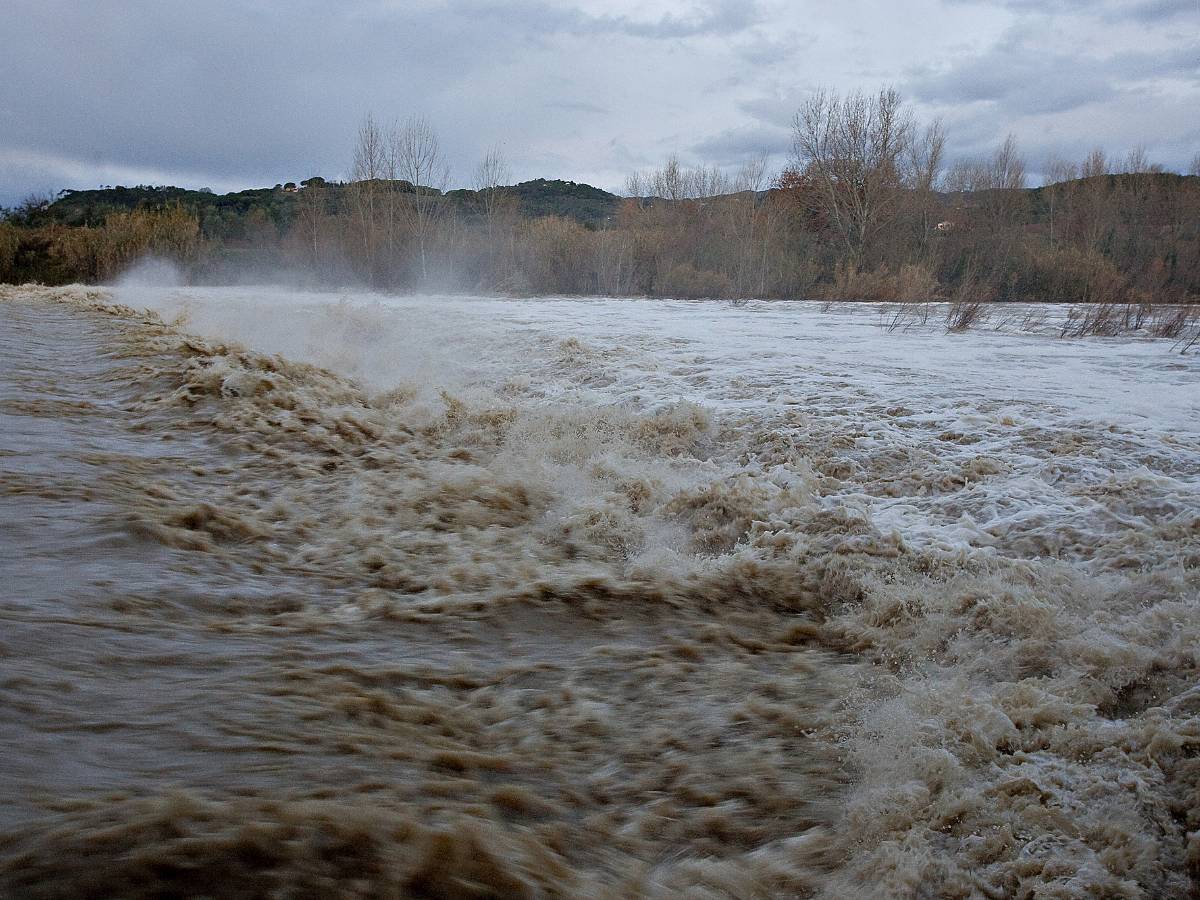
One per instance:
(10, 240)
(689, 283)
(962, 315)
(102, 252)
(549, 257)
(912, 283)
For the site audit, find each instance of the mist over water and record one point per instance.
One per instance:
(337, 593)
(151, 272)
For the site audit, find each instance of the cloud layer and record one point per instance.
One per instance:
(226, 94)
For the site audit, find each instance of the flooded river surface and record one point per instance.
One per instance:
(313, 595)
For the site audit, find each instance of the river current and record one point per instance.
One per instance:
(317, 595)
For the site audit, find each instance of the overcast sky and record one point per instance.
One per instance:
(238, 93)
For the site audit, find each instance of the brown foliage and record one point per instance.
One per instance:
(687, 282)
(103, 252)
(911, 283)
(10, 240)
(551, 253)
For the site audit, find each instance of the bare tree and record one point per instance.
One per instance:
(491, 176)
(1007, 169)
(1095, 165)
(1136, 162)
(637, 188)
(675, 182)
(924, 161)
(998, 183)
(499, 208)
(743, 214)
(1094, 207)
(312, 217)
(368, 176)
(419, 161)
(925, 155)
(1058, 173)
(1194, 166)
(611, 261)
(853, 147)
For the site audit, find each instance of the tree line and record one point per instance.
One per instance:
(867, 208)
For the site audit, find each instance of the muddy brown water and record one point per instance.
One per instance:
(178, 720)
(265, 634)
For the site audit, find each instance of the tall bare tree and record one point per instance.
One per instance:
(1056, 178)
(369, 173)
(1094, 200)
(1008, 169)
(499, 208)
(491, 177)
(853, 147)
(312, 215)
(924, 172)
(1005, 184)
(419, 160)
(742, 211)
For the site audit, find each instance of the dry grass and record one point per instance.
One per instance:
(963, 315)
(905, 316)
(1178, 321)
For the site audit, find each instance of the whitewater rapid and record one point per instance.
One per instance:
(338, 594)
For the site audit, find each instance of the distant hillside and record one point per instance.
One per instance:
(223, 214)
(581, 202)
(587, 205)
(91, 207)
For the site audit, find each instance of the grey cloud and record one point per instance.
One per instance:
(1162, 123)
(723, 17)
(1146, 11)
(771, 50)
(254, 93)
(228, 93)
(577, 106)
(738, 145)
(1020, 78)
(1154, 10)
(1023, 78)
(775, 108)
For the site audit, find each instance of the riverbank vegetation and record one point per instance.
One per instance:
(867, 209)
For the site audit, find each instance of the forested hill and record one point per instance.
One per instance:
(220, 214)
(590, 206)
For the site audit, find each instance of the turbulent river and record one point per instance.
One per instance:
(322, 595)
